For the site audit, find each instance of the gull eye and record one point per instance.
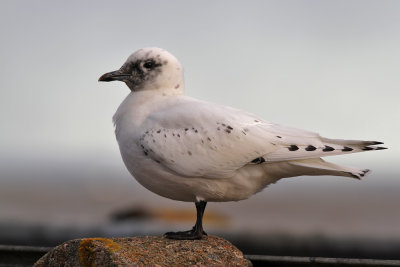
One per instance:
(149, 64)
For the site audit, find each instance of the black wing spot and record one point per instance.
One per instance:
(347, 149)
(293, 148)
(189, 153)
(328, 149)
(310, 148)
(368, 148)
(258, 160)
(159, 131)
(186, 129)
(279, 136)
(229, 127)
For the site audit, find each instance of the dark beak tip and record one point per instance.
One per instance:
(104, 78)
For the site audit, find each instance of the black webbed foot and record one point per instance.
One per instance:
(185, 235)
(196, 232)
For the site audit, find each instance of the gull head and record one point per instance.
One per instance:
(149, 69)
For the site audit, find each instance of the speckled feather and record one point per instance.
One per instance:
(214, 143)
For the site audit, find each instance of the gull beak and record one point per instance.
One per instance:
(114, 76)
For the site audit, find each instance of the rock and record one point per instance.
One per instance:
(144, 251)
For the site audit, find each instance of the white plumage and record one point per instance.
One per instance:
(190, 150)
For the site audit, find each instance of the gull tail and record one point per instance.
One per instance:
(318, 166)
(296, 158)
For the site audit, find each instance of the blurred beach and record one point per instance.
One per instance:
(45, 202)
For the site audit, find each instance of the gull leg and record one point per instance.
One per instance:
(197, 231)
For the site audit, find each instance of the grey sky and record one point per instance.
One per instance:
(327, 66)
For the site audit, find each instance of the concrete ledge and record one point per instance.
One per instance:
(20, 255)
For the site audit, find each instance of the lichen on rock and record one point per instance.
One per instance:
(144, 251)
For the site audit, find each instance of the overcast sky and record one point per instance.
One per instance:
(326, 66)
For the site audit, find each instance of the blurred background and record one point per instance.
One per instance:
(325, 66)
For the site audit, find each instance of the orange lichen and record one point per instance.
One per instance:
(88, 246)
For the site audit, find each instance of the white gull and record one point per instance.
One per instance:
(190, 150)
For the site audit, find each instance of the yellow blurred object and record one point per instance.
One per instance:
(174, 215)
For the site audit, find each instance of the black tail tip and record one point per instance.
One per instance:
(367, 148)
(377, 143)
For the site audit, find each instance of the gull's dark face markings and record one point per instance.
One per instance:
(141, 72)
(136, 73)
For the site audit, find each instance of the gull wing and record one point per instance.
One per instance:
(200, 139)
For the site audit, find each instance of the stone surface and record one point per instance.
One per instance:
(144, 251)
